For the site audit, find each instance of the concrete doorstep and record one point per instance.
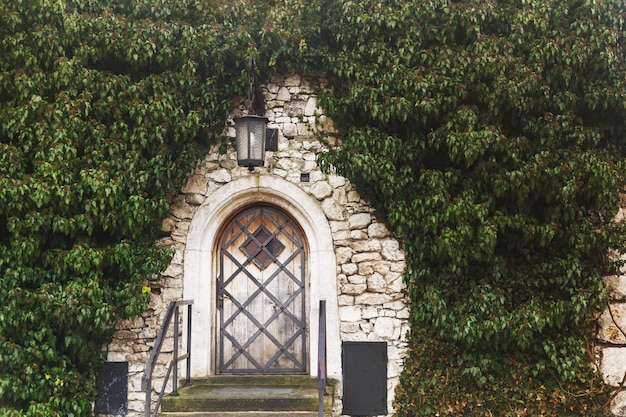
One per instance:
(247, 396)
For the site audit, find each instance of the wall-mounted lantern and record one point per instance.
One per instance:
(251, 129)
(251, 139)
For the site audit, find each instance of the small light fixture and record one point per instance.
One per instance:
(251, 129)
(251, 137)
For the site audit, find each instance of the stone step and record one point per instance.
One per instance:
(274, 395)
(271, 380)
(244, 414)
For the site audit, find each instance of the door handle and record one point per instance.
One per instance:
(220, 300)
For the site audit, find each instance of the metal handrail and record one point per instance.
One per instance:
(146, 381)
(322, 373)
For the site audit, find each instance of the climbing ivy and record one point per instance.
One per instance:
(489, 136)
(486, 134)
(104, 108)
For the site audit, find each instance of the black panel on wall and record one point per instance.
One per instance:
(112, 386)
(364, 378)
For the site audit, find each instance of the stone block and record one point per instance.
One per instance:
(353, 289)
(168, 225)
(398, 267)
(195, 184)
(340, 196)
(612, 324)
(372, 299)
(370, 245)
(294, 108)
(173, 270)
(287, 164)
(336, 226)
(618, 404)
(342, 238)
(148, 333)
(290, 130)
(360, 220)
(391, 250)
(336, 181)
(367, 268)
(357, 279)
(176, 282)
(194, 199)
(616, 285)
(221, 176)
(305, 129)
(283, 94)
(349, 269)
(124, 335)
(353, 196)
(316, 176)
(369, 312)
(350, 313)
(396, 305)
(343, 254)
(387, 327)
(311, 107)
(333, 210)
(114, 355)
(382, 267)
(171, 294)
(403, 314)
(350, 327)
(613, 365)
(377, 230)
(356, 336)
(326, 125)
(321, 190)
(376, 283)
(358, 235)
(293, 80)
(345, 300)
(182, 210)
(309, 156)
(367, 327)
(367, 256)
(140, 348)
(136, 323)
(229, 164)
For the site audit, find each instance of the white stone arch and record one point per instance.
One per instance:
(200, 266)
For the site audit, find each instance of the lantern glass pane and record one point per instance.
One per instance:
(241, 128)
(257, 139)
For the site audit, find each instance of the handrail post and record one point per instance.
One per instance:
(188, 344)
(321, 359)
(146, 381)
(175, 376)
(148, 397)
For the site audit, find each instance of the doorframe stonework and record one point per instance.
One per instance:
(200, 263)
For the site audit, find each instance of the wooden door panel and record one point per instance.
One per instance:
(262, 294)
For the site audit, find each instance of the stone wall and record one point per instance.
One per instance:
(612, 337)
(372, 304)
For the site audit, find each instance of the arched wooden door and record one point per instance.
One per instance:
(261, 294)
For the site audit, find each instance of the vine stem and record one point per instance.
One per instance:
(608, 305)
